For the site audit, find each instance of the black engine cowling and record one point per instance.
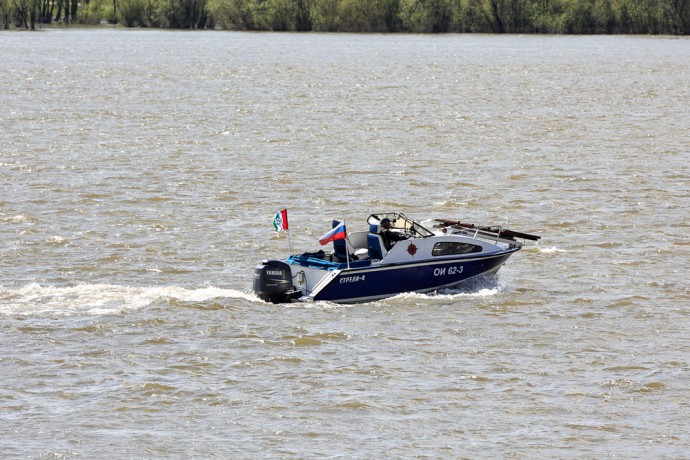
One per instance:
(273, 282)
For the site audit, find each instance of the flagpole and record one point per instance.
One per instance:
(289, 244)
(347, 251)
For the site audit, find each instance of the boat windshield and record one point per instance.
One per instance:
(400, 222)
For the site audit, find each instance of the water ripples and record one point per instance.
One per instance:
(141, 171)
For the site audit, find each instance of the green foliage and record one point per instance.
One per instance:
(303, 20)
(277, 15)
(426, 16)
(184, 14)
(643, 16)
(27, 13)
(142, 13)
(353, 15)
(281, 15)
(468, 16)
(236, 14)
(325, 15)
(5, 14)
(96, 11)
(131, 13)
(578, 17)
(679, 16)
(589, 17)
(417, 16)
(604, 17)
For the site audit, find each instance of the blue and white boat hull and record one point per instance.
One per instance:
(380, 282)
(364, 268)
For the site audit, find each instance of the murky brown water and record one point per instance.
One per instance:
(140, 171)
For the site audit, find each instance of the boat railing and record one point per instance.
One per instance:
(495, 234)
(492, 237)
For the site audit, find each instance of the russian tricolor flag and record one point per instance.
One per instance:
(338, 233)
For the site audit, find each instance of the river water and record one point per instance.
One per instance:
(140, 173)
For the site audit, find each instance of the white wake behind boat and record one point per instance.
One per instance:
(360, 268)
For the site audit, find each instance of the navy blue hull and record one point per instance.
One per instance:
(362, 284)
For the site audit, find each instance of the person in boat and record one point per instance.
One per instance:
(389, 236)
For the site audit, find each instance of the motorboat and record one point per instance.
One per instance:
(366, 265)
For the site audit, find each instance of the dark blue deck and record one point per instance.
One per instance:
(315, 262)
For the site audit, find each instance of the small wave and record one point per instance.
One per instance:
(102, 299)
(449, 204)
(57, 240)
(449, 294)
(551, 250)
(20, 219)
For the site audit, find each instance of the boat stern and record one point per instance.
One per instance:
(273, 282)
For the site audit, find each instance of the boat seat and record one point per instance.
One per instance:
(343, 249)
(377, 250)
(361, 254)
(339, 246)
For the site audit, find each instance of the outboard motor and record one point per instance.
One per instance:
(273, 282)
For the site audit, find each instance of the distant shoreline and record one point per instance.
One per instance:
(530, 17)
(108, 26)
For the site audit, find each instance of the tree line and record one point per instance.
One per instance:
(378, 16)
